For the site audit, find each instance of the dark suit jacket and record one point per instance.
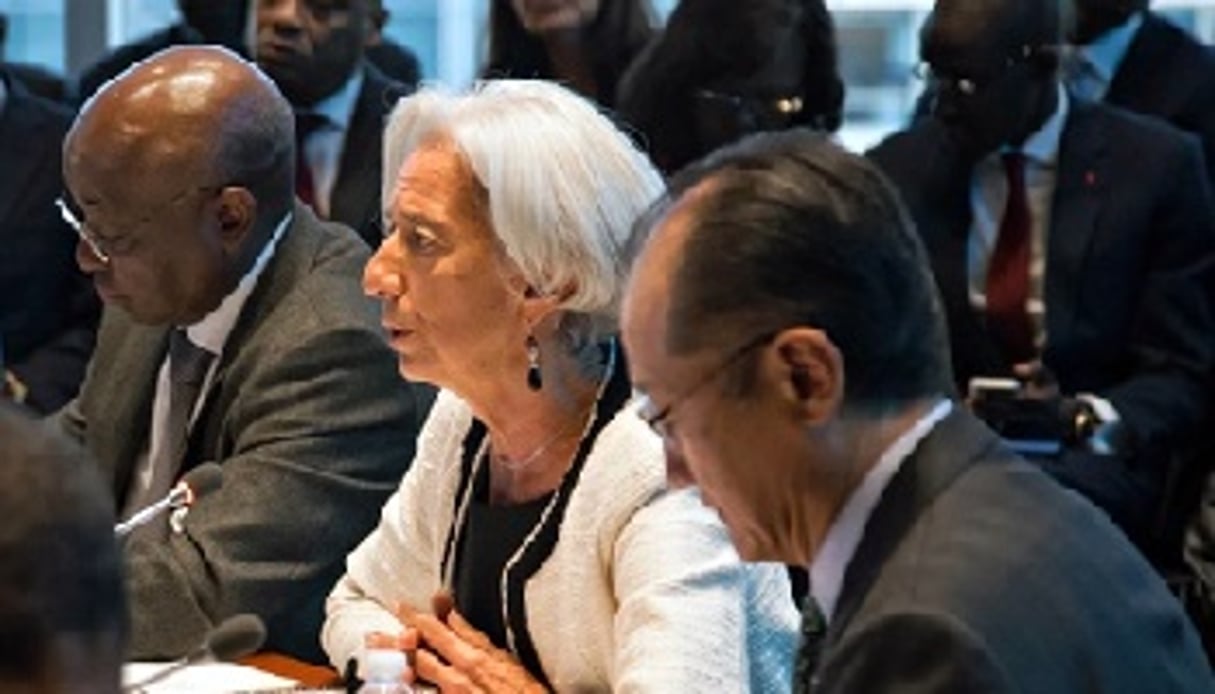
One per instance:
(355, 200)
(977, 573)
(1169, 74)
(1131, 246)
(48, 309)
(311, 424)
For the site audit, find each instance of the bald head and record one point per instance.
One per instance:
(197, 112)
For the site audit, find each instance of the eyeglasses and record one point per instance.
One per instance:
(741, 113)
(969, 86)
(106, 249)
(660, 419)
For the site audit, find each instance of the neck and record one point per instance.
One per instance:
(852, 447)
(533, 435)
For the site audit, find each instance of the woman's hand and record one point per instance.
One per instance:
(456, 657)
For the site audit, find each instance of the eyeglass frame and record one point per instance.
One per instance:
(753, 108)
(967, 86)
(97, 245)
(659, 420)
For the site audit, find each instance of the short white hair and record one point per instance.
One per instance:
(565, 186)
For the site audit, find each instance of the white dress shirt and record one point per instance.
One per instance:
(829, 564)
(210, 333)
(988, 196)
(1098, 62)
(323, 148)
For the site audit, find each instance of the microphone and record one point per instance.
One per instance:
(235, 637)
(200, 481)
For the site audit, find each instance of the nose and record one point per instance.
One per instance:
(282, 16)
(87, 259)
(679, 475)
(380, 280)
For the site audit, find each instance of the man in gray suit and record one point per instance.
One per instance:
(814, 412)
(234, 331)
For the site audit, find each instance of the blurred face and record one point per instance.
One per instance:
(159, 228)
(452, 305)
(542, 16)
(768, 97)
(310, 47)
(735, 448)
(985, 91)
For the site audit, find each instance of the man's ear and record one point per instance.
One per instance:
(236, 214)
(810, 369)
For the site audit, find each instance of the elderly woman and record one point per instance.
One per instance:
(537, 498)
(585, 44)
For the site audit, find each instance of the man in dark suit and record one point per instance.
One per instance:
(48, 310)
(314, 52)
(202, 21)
(1071, 243)
(391, 58)
(812, 411)
(235, 332)
(63, 620)
(1128, 56)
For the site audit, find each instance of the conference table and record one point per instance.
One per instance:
(310, 676)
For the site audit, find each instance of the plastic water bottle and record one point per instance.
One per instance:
(384, 672)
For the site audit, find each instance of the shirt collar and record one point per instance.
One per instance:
(1106, 52)
(211, 333)
(1042, 145)
(338, 107)
(844, 535)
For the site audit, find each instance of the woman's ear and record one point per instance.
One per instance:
(539, 305)
(811, 370)
(236, 214)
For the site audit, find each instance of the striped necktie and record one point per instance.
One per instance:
(813, 633)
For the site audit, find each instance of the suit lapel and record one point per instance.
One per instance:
(1079, 188)
(356, 193)
(133, 373)
(952, 447)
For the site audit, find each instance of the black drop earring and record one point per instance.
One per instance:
(534, 379)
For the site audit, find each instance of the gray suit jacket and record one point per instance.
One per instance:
(312, 426)
(977, 573)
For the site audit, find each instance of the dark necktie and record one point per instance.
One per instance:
(188, 364)
(813, 632)
(305, 125)
(1008, 270)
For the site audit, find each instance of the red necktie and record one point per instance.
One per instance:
(305, 125)
(1008, 271)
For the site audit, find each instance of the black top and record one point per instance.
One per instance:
(492, 534)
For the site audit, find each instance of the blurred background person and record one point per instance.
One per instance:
(1073, 244)
(584, 44)
(393, 59)
(696, 87)
(63, 616)
(48, 309)
(234, 332)
(314, 52)
(537, 499)
(813, 411)
(1124, 54)
(220, 22)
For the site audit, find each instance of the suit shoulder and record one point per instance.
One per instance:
(1136, 131)
(380, 89)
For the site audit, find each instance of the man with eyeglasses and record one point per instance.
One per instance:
(234, 331)
(783, 326)
(1073, 245)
